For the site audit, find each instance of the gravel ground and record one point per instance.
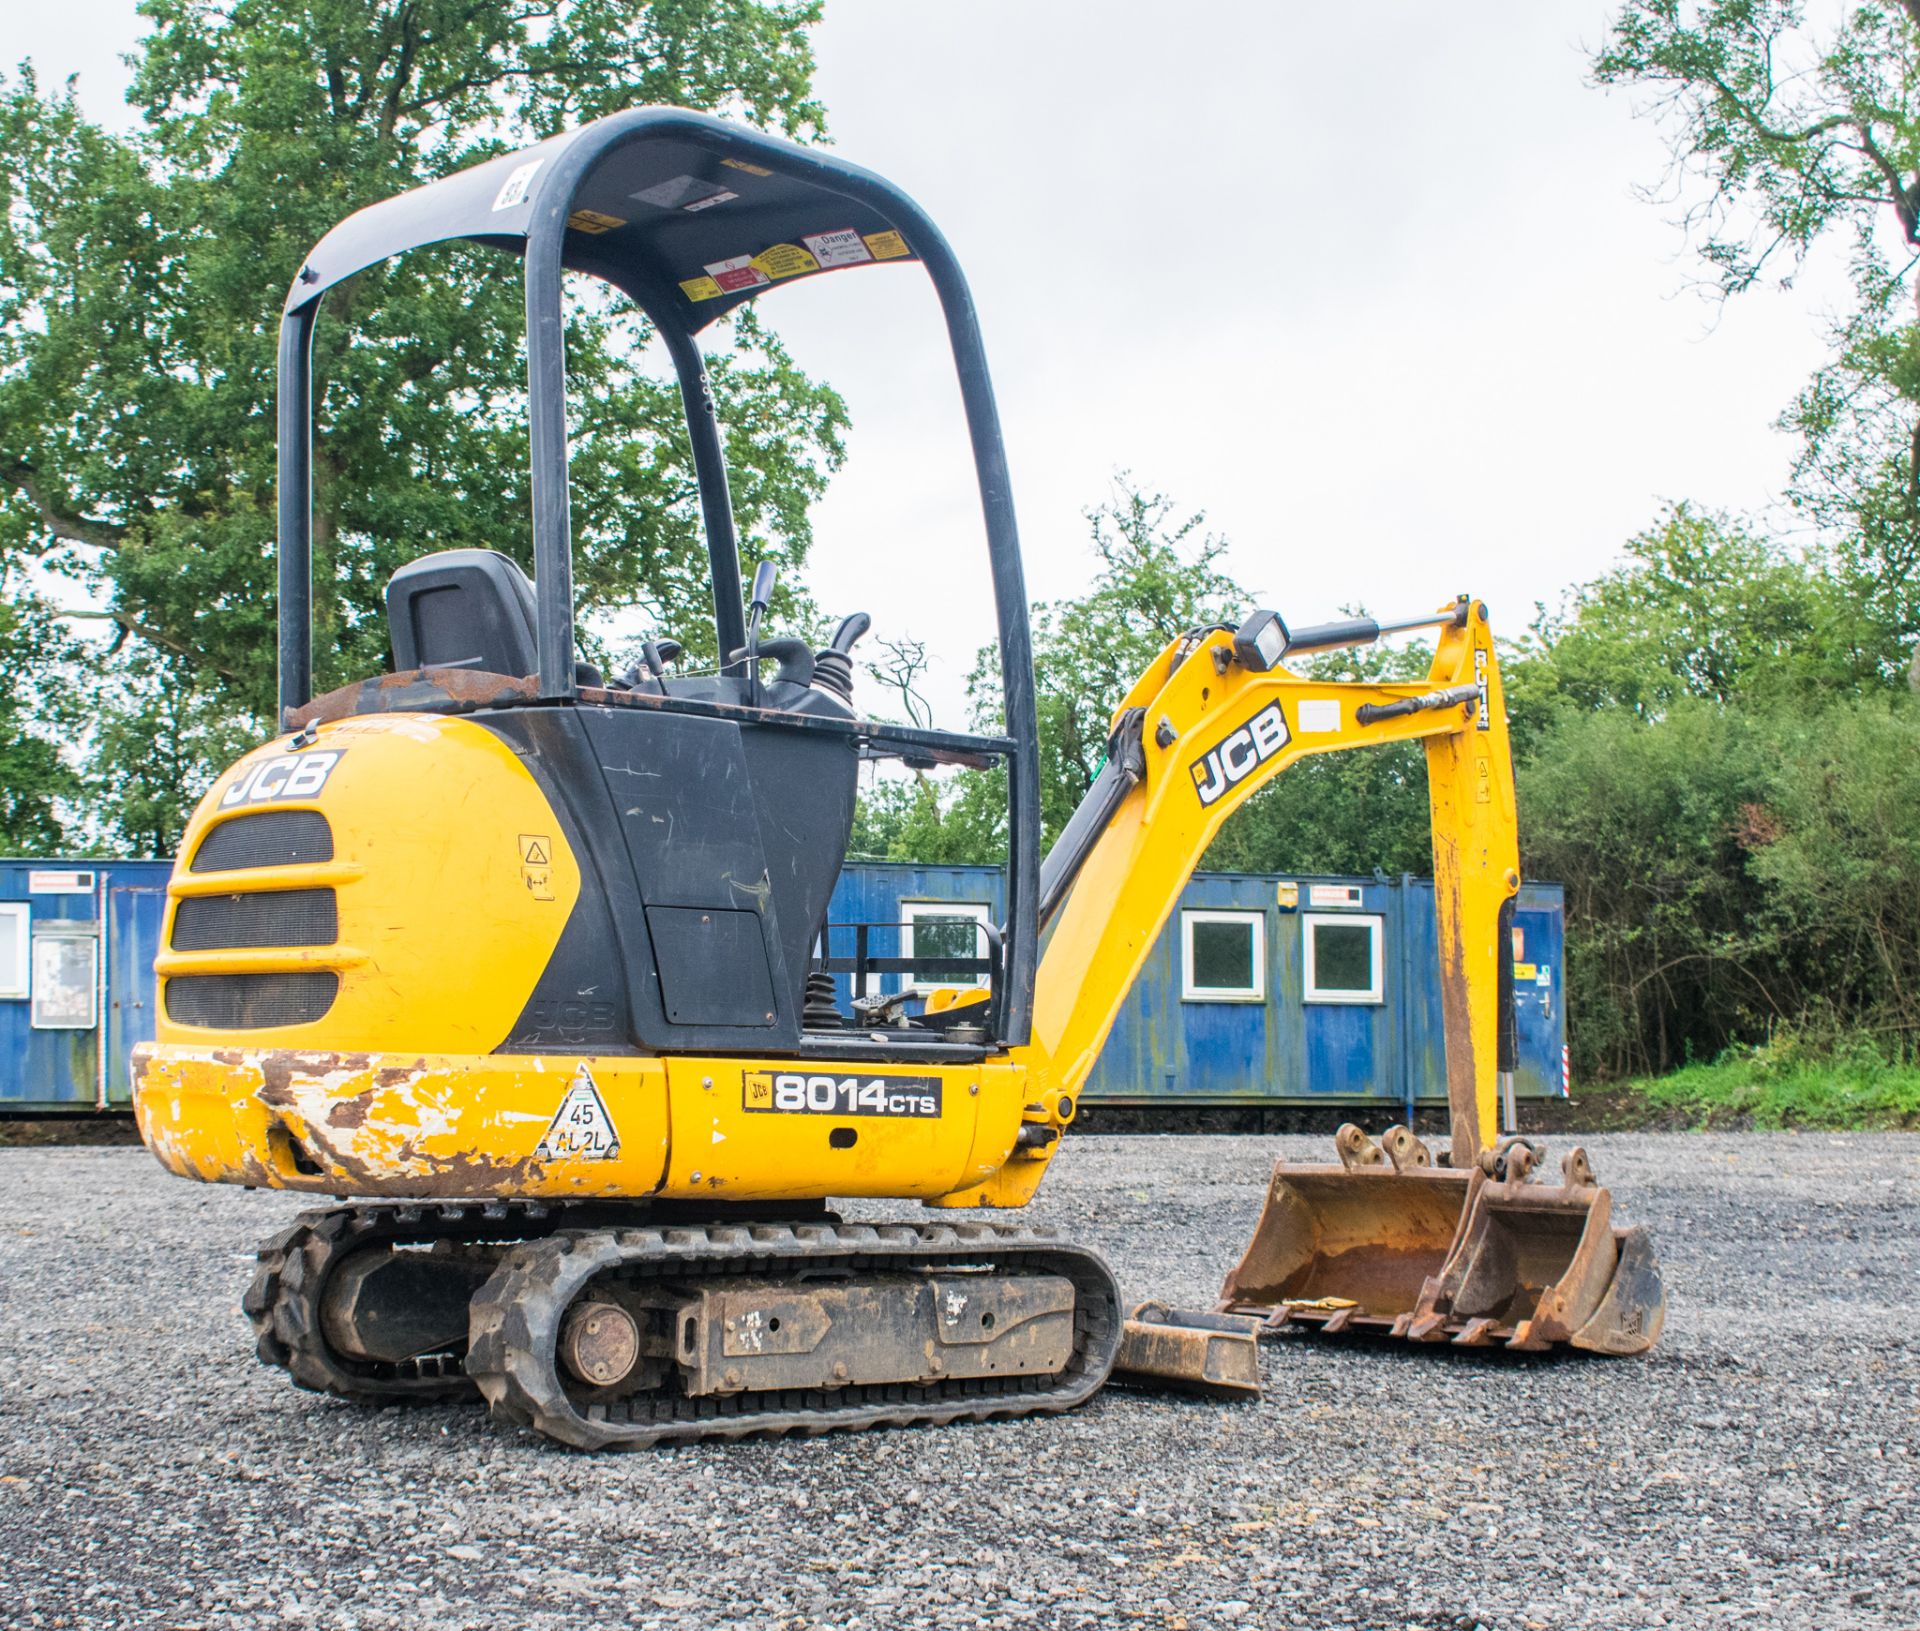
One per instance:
(1761, 1468)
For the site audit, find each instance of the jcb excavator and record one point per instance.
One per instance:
(530, 956)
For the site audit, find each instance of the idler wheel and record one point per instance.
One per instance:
(599, 1343)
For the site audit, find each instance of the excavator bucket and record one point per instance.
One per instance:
(1388, 1243)
(1350, 1247)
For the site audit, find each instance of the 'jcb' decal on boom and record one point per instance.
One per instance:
(298, 776)
(1234, 759)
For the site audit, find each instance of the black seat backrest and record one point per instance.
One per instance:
(462, 608)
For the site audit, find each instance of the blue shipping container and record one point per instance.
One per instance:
(1265, 988)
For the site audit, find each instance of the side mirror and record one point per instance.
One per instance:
(1261, 642)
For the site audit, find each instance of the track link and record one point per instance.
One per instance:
(516, 1318)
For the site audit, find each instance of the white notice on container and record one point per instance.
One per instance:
(737, 273)
(581, 1129)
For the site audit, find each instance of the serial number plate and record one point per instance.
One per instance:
(795, 1093)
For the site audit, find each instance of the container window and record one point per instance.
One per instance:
(1343, 961)
(1223, 956)
(942, 929)
(15, 925)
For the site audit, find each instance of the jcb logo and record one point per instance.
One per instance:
(1236, 758)
(298, 776)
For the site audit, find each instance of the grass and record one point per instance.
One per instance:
(1785, 1085)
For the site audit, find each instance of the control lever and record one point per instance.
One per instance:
(765, 575)
(833, 667)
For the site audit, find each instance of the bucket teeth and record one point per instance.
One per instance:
(1388, 1244)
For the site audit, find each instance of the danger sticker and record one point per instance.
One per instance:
(843, 248)
(796, 1093)
(737, 273)
(785, 260)
(701, 288)
(887, 246)
(593, 221)
(581, 1129)
(513, 191)
(741, 164)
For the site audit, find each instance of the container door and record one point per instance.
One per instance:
(1539, 971)
(133, 940)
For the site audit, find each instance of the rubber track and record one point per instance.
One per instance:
(516, 1323)
(283, 1302)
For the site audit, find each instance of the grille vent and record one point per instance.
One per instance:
(267, 838)
(283, 917)
(250, 1002)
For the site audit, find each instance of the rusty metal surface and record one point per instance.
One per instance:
(1211, 1354)
(756, 1335)
(413, 691)
(1433, 1254)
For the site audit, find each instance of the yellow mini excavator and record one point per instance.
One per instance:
(530, 959)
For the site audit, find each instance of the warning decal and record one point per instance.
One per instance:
(737, 273)
(741, 164)
(581, 1129)
(843, 248)
(536, 864)
(785, 260)
(593, 221)
(887, 246)
(701, 288)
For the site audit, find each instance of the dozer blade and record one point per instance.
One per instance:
(1388, 1244)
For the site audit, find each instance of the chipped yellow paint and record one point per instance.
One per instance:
(402, 1125)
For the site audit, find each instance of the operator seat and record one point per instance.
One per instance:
(466, 608)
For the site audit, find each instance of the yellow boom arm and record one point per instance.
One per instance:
(1214, 731)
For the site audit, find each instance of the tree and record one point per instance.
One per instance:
(1784, 133)
(139, 298)
(33, 777)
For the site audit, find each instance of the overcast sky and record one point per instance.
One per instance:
(1369, 285)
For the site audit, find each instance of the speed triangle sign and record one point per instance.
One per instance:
(582, 1128)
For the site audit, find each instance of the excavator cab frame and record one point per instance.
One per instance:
(688, 216)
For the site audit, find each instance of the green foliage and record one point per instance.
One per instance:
(1793, 1081)
(140, 285)
(1640, 820)
(1783, 132)
(34, 779)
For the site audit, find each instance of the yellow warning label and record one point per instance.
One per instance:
(887, 246)
(536, 864)
(741, 164)
(1525, 971)
(785, 260)
(759, 1094)
(593, 221)
(700, 288)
